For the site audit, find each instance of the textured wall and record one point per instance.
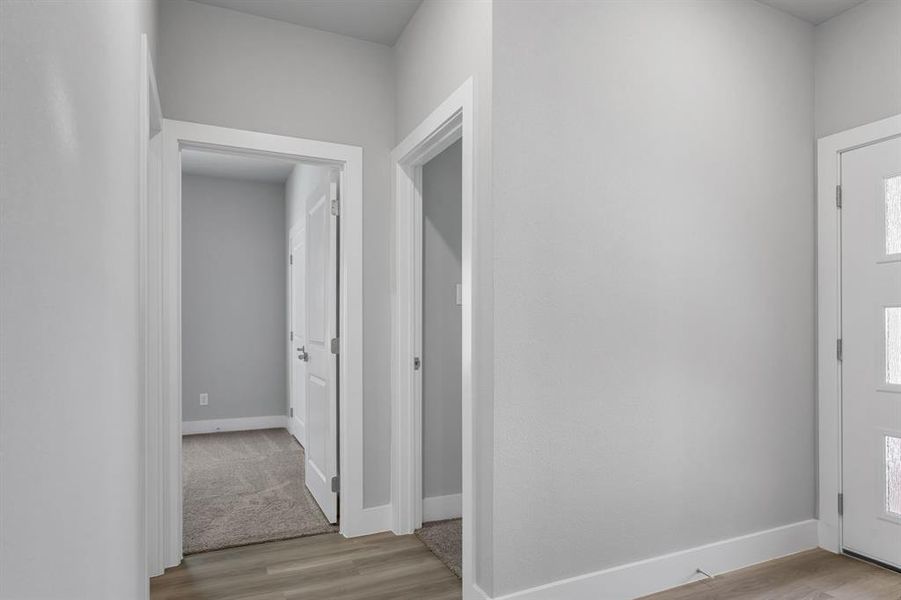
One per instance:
(233, 298)
(654, 277)
(858, 66)
(71, 420)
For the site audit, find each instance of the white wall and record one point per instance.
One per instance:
(442, 322)
(227, 68)
(71, 436)
(445, 44)
(654, 276)
(234, 310)
(858, 66)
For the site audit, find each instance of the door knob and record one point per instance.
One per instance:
(302, 354)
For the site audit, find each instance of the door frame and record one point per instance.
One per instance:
(829, 306)
(451, 121)
(166, 239)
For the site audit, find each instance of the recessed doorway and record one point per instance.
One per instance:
(331, 455)
(249, 471)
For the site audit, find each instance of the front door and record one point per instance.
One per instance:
(322, 373)
(871, 350)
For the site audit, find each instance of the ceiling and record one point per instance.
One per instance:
(380, 21)
(235, 166)
(813, 11)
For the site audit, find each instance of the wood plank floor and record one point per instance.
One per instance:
(811, 575)
(321, 567)
(389, 567)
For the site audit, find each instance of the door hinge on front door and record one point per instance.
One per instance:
(838, 349)
(291, 259)
(838, 196)
(291, 411)
(334, 345)
(841, 504)
(336, 484)
(291, 335)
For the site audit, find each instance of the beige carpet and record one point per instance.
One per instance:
(245, 487)
(445, 540)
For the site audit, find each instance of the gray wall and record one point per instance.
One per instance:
(654, 278)
(227, 68)
(442, 371)
(234, 313)
(71, 428)
(858, 66)
(444, 44)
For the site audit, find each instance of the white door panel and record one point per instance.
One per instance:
(871, 350)
(298, 372)
(321, 327)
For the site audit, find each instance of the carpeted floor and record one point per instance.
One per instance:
(244, 487)
(445, 540)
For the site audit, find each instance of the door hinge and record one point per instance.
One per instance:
(841, 504)
(291, 335)
(838, 349)
(290, 259)
(334, 345)
(336, 484)
(838, 196)
(291, 411)
(335, 197)
(417, 363)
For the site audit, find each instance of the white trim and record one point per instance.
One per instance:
(663, 572)
(149, 172)
(178, 134)
(453, 119)
(829, 151)
(440, 508)
(375, 519)
(236, 424)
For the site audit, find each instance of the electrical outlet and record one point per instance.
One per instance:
(204, 399)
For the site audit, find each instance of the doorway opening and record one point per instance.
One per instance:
(441, 363)
(216, 290)
(259, 306)
(432, 471)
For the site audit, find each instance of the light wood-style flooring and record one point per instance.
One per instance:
(811, 575)
(321, 567)
(389, 567)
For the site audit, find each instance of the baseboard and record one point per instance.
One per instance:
(370, 520)
(473, 592)
(663, 572)
(439, 508)
(828, 537)
(241, 424)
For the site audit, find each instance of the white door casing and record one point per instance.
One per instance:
(165, 323)
(871, 343)
(297, 339)
(321, 327)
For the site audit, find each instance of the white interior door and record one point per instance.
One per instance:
(298, 342)
(321, 311)
(871, 351)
